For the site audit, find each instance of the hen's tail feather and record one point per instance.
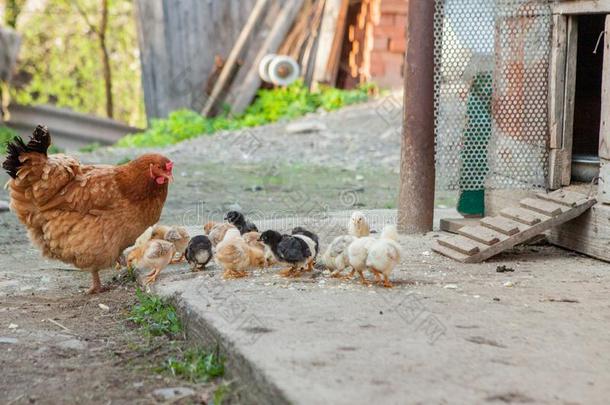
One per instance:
(39, 143)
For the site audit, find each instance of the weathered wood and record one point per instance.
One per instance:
(502, 225)
(453, 225)
(243, 91)
(603, 188)
(570, 96)
(563, 197)
(10, 42)
(581, 6)
(460, 244)
(236, 51)
(481, 234)
(604, 126)
(520, 215)
(526, 234)
(543, 207)
(334, 59)
(179, 40)
(328, 29)
(557, 76)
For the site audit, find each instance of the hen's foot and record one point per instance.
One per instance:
(96, 284)
(96, 289)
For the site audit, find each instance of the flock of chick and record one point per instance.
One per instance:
(237, 247)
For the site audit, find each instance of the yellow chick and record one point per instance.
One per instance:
(179, 236)
(336, 257)
(236, 256)
(358, 225)
(380, 256)
(154, 255)
(216, 231)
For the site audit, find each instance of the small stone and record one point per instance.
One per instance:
(73, 344)
(451, 287)
(13, 326)
(104, 307)
(4, 206)
(304, 127)
(509, 284)
(8, 340)
(172, 394)
(426, 253)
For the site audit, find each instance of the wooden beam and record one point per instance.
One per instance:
(581, 7)
(328, 30)
(243, 93)
(604, 126)
(570, 94)
(557, 76)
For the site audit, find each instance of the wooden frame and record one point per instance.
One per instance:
(581, 7)
(562, 90)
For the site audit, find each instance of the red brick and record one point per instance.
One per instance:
(381, 43)
(377, 68)
(395, 6)
(386, 20)
(391, 32)
(398, 45)
(400, 20)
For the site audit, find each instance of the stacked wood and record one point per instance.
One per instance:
(10, 42)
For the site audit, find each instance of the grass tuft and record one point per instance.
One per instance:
(155, 315)
(196, 365)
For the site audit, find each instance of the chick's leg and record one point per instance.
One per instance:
(96, 285)
(349, 275)
(362, 279)
(377, 275)
(386, 282)
(178, 260)
(152, 276)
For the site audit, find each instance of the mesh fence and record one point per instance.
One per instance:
(491, 84)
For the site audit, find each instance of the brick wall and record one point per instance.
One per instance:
(388, 51)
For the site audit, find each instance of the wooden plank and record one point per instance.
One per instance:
(236, 51)
(334, 59)
(502, 225)
(242, 94)
(453, 225)
(481, 234)
(460, 244)
(570, 94)
(543, 207)
(581, 7)
(328, 29)
(557, 76)
(563, 197)
(604, 127)
(530, 232)
(450, 253)
(520, 215)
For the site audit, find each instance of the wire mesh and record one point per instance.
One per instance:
(491, 85)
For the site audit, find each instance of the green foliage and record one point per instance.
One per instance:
(270, 106)
(197, 365)
(61, 54)
(6, 135)
(155, 315)
(220, 394)
(92, 147)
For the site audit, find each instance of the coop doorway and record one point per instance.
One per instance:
(587, 97)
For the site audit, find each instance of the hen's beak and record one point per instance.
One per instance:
(169, 177)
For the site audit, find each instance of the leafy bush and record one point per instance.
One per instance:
(155, 315)
(6, 135)
(270, 106)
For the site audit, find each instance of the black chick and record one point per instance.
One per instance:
(299, 230)
(237, 218)
(289, 249)
(198, 252)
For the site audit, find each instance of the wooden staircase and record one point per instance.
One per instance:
(514, 225)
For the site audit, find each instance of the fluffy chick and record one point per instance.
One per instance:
(237, 218)
(336, 258)
(216, 231)
(299, 230)
(384, 255)
(154, 255)
(179, 236)
(198, 252)
(253, 239)
(358, 225)
(296, 251)
(236, 256)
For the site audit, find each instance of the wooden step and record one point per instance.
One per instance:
(544, 207)
(497, 234)
(480, 234)
(520, 215)
(563, 197)
(460, 244)
(502, 225)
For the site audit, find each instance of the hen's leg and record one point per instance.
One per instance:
(96, 285)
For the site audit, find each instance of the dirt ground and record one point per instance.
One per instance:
(70, 349)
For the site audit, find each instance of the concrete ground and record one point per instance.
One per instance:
(446, 333)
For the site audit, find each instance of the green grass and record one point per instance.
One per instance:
(155, 315)
(196, 365)
(271, 105)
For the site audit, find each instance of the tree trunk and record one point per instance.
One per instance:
(106, 60)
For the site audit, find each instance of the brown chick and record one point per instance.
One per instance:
(252, 239)
(216, 231)
(154, 255)
(180, 237)
(236, 256)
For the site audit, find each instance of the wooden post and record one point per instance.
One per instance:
(417, 174)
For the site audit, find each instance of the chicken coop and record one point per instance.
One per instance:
(522, 106)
